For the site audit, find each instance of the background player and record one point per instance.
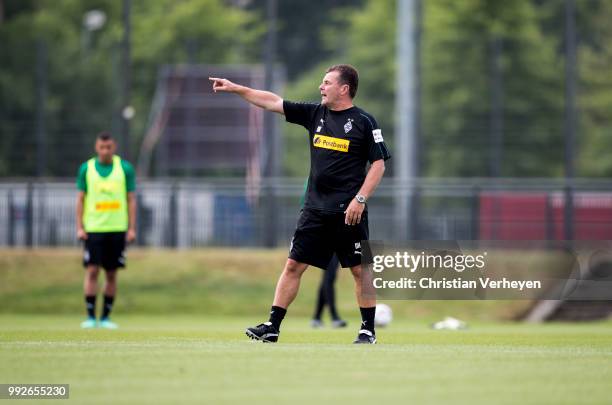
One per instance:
(326, 296)
(106, 219)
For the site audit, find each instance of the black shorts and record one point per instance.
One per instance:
(106, 249)
(320, 234)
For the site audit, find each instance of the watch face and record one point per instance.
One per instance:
(360, 198)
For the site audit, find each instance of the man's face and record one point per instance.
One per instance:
(105, 150)
(332, 89)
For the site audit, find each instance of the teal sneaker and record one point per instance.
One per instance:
(107, 324)
(90, 323)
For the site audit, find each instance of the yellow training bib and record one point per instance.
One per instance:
(105, 208)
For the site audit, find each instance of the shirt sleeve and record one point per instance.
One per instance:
(81, 181)
(377, 148)
(300, 113)
(130, 176)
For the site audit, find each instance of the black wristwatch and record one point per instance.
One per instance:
(360, 199)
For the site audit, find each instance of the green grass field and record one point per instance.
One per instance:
(209, 360)
(182, 316)
(214, 281)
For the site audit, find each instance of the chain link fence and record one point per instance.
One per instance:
(224, 212)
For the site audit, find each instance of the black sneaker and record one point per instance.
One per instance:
(365, 337)
(264, 332)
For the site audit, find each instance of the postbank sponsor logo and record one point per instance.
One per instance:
(328, 142)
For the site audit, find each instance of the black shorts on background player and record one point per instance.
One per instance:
(320, 234)
(105, 249)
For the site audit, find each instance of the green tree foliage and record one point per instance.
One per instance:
(595, 92)
(458, 81)
(302, 28)
(83, 68)
(458, 45)
(364, 38)
(458, 84)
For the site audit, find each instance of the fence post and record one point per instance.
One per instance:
(29, 215)
(414, 222)
(139, 220)
(173, 217)
(550, 220)
(475, 213)
(53, 226)
(11, 219)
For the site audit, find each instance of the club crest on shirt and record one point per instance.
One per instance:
(348, 126)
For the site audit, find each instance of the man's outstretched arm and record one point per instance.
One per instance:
(264, 99)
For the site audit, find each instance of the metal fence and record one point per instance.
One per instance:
(223, 212)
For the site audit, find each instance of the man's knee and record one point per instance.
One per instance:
(92, 272)
(356, 271)
(294, 268)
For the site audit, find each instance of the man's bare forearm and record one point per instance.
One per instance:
(79, 210)
(132, 211)
(373, 178)
(261, 98)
